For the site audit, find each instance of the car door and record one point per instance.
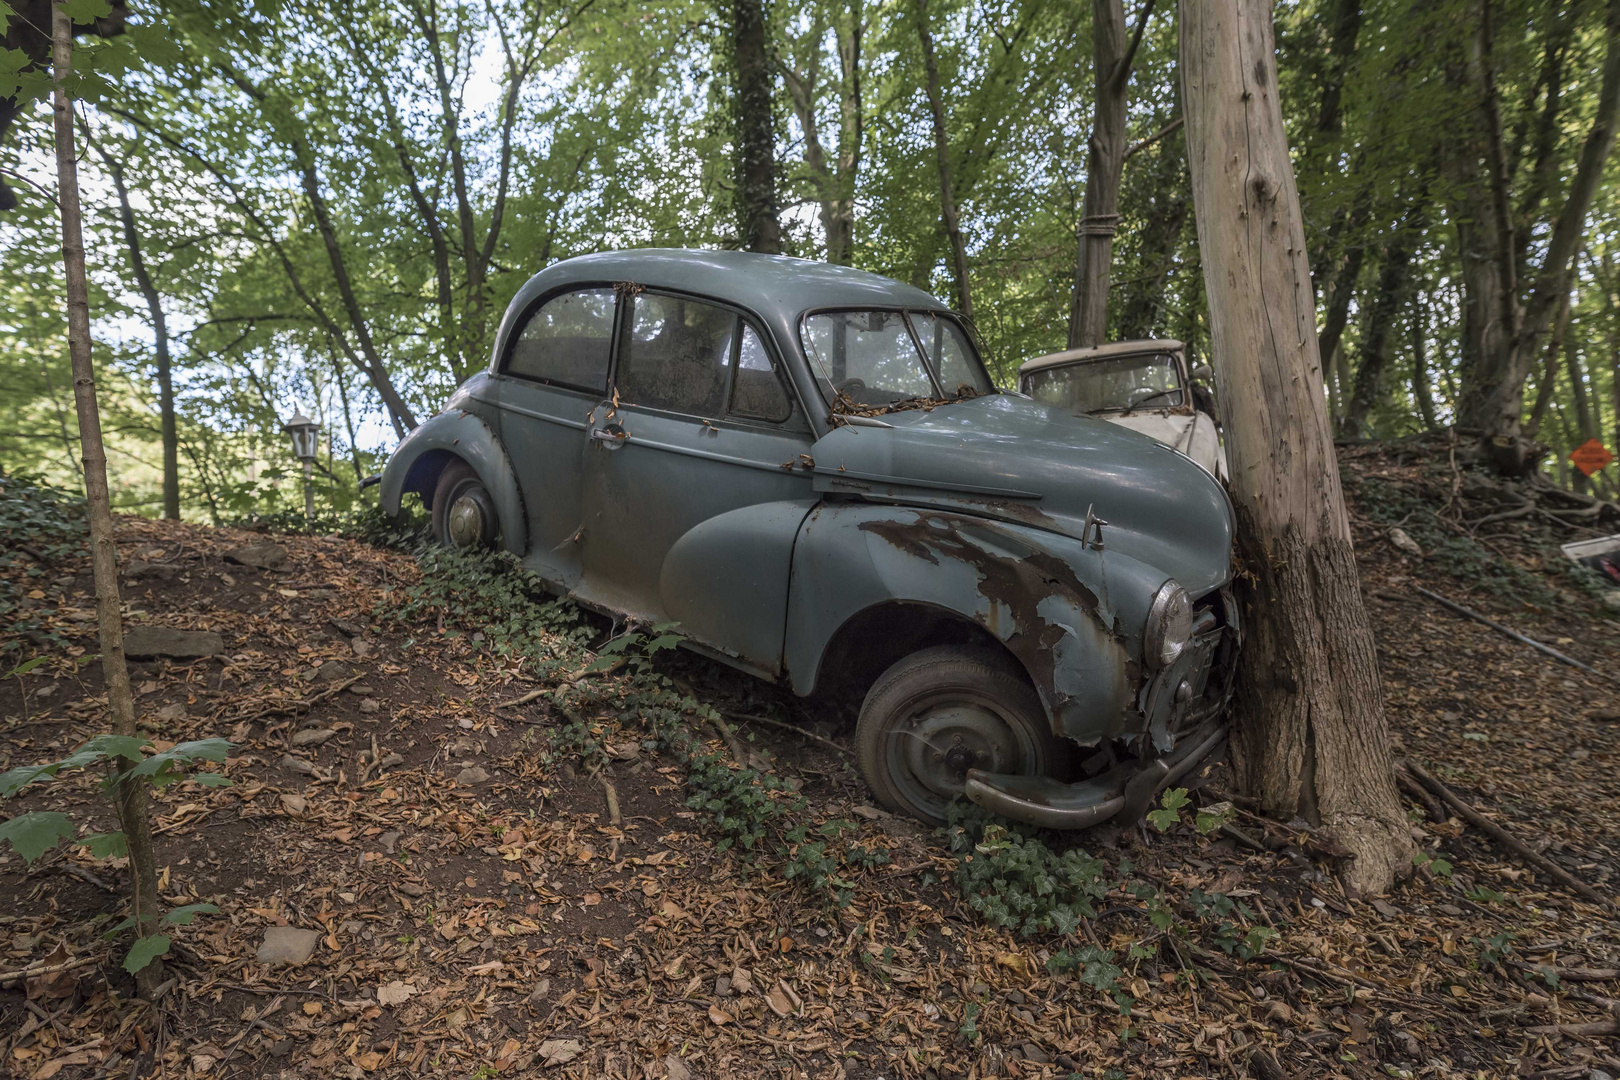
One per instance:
(553, 373)
(694, 487)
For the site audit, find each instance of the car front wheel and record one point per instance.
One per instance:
(463, 512)
(940, 712)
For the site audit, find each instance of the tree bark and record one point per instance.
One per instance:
(1502, 333)
(160, 341)
(131, 797)
(942, 155)
(835, 180)
(1113, 53)
(1381, 316)
(1310, 734)
(755, 132)
(1422, 389)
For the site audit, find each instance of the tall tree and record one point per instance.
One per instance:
(1113, 53)
(160, 336)
(832, 177)
(1310, 734)
(131, 797)
(950, 219)
(755, 128)
(1508, 307)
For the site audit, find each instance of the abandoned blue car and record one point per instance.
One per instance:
(810, 470)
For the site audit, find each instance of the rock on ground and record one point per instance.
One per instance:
(288, 945)
(262, 556)
(152, 642)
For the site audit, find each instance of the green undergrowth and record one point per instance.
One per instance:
(39, 526)
(1451, 549)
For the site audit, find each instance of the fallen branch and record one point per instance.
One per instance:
(1595, 1027)
(1580, 974)
(7, 978)
(298, 706)
(1512, 843)
(785, 726)
(1514, 634)
(84, 875)
(1437, 813)
(572, 680)
(612, 802)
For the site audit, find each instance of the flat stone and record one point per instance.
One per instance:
(312, 736)
(1611, 599)
(360, 647)
(152, 642)
(390, 760)
(288, 945)
(297, 765)
(345, 627)
(171, 713)
(140, 568)
(369, 704)
(293, 803)
(261, 556)
(332, 671)
(472, 774)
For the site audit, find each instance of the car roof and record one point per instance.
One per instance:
(1100, 352)
(772, 285)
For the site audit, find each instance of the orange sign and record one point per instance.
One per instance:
(1590, 456)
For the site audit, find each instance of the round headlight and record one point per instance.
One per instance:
(1169, 625)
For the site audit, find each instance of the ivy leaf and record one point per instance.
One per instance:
(144, 951)
(105, 845)
(182, 916)
(32, 835)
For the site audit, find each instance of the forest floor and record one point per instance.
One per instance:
(479, 911)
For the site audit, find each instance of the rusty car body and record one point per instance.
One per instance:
(808, 469)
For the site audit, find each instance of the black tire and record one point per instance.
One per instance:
(464, 514)
(942, 711)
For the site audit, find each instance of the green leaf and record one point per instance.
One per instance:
(144, 951)
(86, 11)
(128, 747)
(182, 916)
(211, 779)
(27, 665)
(32, 835)
(105, 845)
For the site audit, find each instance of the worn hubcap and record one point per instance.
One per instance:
(949, 739)
(465, 522)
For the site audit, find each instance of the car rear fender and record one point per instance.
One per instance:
(420, 457)
(1060, 608)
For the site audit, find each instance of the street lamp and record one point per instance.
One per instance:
(305, 434)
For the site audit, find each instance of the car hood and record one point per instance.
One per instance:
(1008, 457)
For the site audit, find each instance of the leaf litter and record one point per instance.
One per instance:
(506, 927)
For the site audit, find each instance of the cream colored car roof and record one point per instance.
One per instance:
(1100, 352)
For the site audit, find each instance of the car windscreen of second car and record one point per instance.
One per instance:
(1117, 384)
(872, 359)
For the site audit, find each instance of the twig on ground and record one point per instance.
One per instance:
(1437, 813)
(7, 978)
(1577, 974)
(1595, 1027)
(84, 875)
(299, 706)
(1512, 843)
(1514, 634)
(785, 726)
(614, 816)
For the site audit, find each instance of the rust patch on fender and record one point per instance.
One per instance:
(1016, 584)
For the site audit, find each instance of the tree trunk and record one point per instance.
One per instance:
(1503, 336)
(1381, 316)
(1422, 390)
(834, 181)
(1310, 736)
(131, 798)
(1549, 371)
(1586, 428)
(755, 129)
(160, 341)
(1111, 50)
(942, 153)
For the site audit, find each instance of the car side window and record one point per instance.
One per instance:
(568, 341)
(758, 393)
(676, 355)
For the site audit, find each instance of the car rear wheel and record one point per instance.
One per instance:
(463, 512)
(940, 712)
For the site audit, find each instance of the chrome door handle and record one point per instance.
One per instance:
(611, 436)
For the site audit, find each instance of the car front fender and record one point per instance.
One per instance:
(416, 463)
(1071, 615)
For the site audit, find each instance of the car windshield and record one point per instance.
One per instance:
(891, 359)
(1118, 384)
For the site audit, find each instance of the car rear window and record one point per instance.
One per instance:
(758, 393)
(568, 341)
(676, 355)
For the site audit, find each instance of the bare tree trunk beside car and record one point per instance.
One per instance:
(950, 220)
(755, 129)
(1310, 737)
(131, 801)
